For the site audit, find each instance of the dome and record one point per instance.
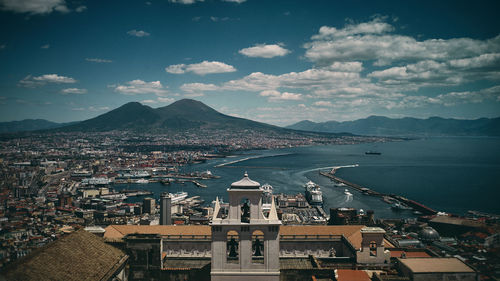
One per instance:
(428, 234)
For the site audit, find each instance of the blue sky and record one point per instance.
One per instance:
(273, 61)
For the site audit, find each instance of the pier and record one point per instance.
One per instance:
(358, 187)
(411, 203)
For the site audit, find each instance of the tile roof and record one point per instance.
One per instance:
(78, 256)
(427, 265)
(352, 275)
(115, 233)
(409, 254)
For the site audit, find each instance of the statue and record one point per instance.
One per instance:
(245, 209)
(233, 246)
(332, 252)
(258, 247)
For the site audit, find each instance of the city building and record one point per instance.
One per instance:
(148, 205)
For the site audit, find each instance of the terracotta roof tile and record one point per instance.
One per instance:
(352, 275)
(426, 265)
(78, 256)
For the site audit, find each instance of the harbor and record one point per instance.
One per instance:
(399, 203)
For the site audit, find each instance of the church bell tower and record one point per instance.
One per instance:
(245, 244)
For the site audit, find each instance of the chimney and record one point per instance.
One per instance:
(165, 209)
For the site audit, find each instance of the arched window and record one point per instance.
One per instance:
(373, 248)
(233, 247)
(258, 247)
(245, 210)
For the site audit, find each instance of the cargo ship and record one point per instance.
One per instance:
(372, 152)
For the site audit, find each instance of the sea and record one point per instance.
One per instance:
(448, 174)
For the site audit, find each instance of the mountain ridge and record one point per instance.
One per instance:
(406, 126)
(181, 115)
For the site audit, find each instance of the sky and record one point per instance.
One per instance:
(277, 62)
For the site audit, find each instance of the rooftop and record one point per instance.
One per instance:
(245, 183)
(78, 256)
(115, 233)
(427, 265)
(352, 275)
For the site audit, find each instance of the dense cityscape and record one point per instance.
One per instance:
(221, 140)
(53, 184)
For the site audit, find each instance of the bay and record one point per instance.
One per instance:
(447, 174)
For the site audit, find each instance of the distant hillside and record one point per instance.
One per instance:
(29, 125)
(179, 116)
(383, 126)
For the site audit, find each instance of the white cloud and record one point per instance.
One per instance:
(373, 41)
(308, 79)
(158, 100)
(277, 96)
(376, 26)
(454, 98)
(46, 46)
(350, 66)
(31, 82)
(185, 2)
(34, 7)
(54, 78)
(198, 87)
(97, 60)
(176, 69)
(98, 108)
(323, 103)
(138, 33)
(202, 68)
(137, 87)
(80, 9)
(264, 51)
(216, 19)
(484, 60)
(74, 91)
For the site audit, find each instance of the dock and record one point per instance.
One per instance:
(131, 193)
(358, 187)
(385, 197)
(199, 184)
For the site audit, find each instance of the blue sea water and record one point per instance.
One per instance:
(448, 174)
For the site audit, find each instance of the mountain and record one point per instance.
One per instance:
(29, 125)
(181, 115)
(383, 126)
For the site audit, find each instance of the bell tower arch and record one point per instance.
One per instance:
(257, 242)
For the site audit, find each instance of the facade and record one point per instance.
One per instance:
(245, 244)
(372, 247)
(165, 209)
(149, 205)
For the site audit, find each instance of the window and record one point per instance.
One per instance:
(258, 247)
(373, 248)
(233, 247)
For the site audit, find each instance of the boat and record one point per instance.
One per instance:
(96, 181)
(199, 184)
(313, 192)
(114, 196)
(398, 206)
(339, 184)
(346, 192)
(370, 152)
(129, 174)
(142, 181)
(178, 196)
